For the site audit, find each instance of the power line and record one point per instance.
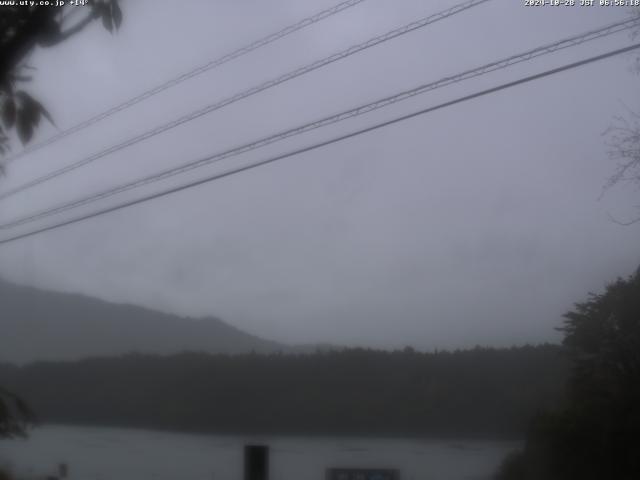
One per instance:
(354, 112)
(192, 73)
(251, 91)
(326, 142)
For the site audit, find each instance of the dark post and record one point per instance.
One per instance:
(256, 462)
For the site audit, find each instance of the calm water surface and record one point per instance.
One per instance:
(127, 454)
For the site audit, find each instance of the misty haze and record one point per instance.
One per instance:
(339, 240)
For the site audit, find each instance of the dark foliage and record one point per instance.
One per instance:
(23, 28)
(15, 415)
(356, 391)
(597, 435)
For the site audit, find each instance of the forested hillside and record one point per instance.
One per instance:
(46, 325)
(473, 392)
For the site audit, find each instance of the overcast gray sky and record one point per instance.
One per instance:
(478, 224)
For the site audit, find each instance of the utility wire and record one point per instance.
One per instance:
(354, 112)
(315, 146)
(251, 91)
(190, 74)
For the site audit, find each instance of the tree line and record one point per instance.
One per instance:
(482, 391)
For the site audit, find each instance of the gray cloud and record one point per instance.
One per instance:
(477, 224)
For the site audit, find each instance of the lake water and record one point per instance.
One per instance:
(127, 454)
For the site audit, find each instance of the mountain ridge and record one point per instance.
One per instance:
(43, 325)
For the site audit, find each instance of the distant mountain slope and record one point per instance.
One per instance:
(43, 325)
